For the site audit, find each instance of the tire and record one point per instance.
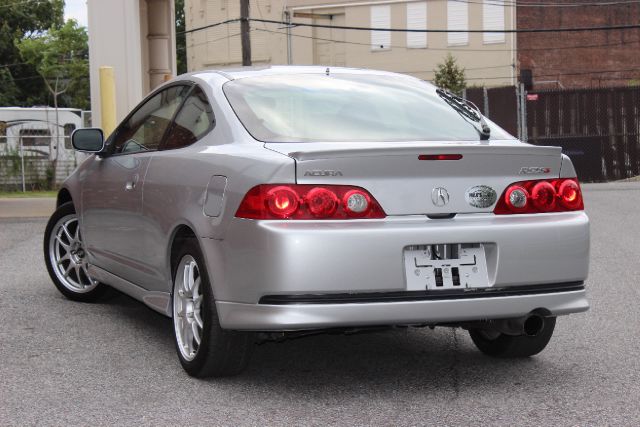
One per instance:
(204, 348)
(65, 257)
(508, 346)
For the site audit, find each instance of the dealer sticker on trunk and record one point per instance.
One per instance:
(481, 196)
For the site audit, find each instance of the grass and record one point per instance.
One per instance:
(20, 194)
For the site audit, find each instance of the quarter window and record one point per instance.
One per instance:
(193, 121)
(143, 131)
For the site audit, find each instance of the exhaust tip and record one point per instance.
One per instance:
(533, 325)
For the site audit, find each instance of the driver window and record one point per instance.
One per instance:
(143, 131)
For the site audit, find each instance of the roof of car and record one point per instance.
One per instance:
(238, 73)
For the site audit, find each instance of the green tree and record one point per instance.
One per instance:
(181, 38)
(20, 84)
(450, 76)
(60, 57)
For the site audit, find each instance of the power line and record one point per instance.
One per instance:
(411, 30)
(211, 41)
(228, 21)
(456, 49)
(422, 30)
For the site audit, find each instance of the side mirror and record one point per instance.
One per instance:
(88, 140)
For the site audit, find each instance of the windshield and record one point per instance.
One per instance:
(347, 108)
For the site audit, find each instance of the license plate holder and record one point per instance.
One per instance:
(446, 266)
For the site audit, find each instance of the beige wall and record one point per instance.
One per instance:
(220, 46)
(137, 39)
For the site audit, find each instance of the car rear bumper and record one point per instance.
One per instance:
(447, 309)
(270, 258)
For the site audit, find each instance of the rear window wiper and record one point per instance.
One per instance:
(467, 110)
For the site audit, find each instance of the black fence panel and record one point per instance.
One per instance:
(500, 105)
(476, 95)
(585, 154)
(503, 108)
(590, 124)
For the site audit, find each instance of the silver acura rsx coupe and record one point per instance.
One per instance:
(264, 204)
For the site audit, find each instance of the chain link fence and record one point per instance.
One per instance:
(32, 157)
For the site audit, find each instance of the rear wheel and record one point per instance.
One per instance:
(66, 258)
(204, 348)
(501, 345)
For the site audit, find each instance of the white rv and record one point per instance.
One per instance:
(33, 131)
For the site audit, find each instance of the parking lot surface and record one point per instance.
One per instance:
(66, 363)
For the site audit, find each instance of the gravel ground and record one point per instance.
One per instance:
(66, 363)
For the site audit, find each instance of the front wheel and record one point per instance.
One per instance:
(66, 258)
(204, 348)
(501, 345)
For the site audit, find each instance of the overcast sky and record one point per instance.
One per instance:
(76, 9)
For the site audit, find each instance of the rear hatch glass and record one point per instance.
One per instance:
(348, 108)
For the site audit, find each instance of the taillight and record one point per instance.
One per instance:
(322, 202)
(517, 198)
(292, 201)
(556, 195)
(569, 195)
(356, 203)
(282, 201)
(543, 196)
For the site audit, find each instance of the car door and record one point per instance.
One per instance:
(112, 186)
(176, 180)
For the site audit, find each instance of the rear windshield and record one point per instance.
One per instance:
(347, 108)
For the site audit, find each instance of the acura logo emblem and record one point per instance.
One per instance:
(439, 196)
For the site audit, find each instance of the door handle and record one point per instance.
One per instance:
(131, 185)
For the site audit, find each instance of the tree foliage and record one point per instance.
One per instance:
(450, 76)
(60, 57)
(19, 82)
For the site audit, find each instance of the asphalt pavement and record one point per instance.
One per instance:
(27, 207)
(66, 363)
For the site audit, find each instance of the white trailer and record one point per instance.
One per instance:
(39, 132)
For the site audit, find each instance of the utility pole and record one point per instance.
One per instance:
(244, 32)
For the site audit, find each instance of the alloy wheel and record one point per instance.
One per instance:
(68, 256)
(187, 303)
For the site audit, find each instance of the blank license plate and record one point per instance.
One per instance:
(446, 266)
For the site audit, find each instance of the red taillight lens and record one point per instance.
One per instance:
(543, 196)
(282, 201)
(292, 201)
(322, 203)
(569, 195)
(556, 195)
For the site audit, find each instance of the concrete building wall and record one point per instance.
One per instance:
(580, 59)
(137, 39)
(486, 63)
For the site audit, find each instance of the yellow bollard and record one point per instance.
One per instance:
(108, 100)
